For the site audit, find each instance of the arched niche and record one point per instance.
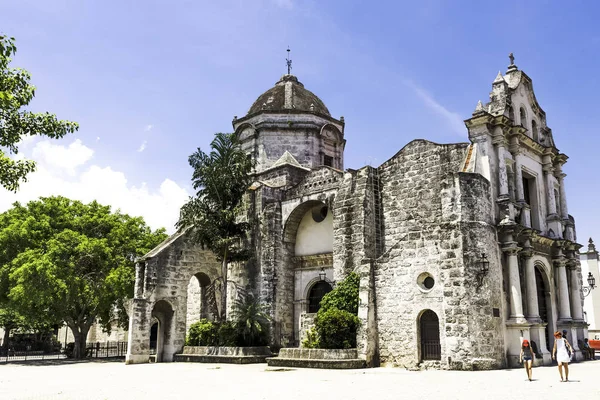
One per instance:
(315, 231)
(198, 299)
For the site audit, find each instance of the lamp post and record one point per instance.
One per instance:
(591, 284)
(483, 268)
(322, 274)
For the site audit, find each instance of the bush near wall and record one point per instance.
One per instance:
(337, 322)
(249, 327)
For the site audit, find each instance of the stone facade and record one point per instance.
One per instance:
(463, 250)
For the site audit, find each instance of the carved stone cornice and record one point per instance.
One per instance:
(510, 248)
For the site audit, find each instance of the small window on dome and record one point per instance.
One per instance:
(328, 161)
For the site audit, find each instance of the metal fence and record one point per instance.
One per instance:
(93, 350)
(106, 350)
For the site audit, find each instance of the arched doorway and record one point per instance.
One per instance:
(315, 295)
(153, 337)
(429, 325)
(163, 313)
(542, 304)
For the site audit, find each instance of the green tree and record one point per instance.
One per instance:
(62, 260)
(220, 178)
(16, 123)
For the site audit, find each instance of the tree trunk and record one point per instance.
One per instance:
(224, 289)
(80, 332)
(6, 337)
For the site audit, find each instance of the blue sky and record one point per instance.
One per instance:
(151, 81)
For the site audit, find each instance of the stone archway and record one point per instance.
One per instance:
(429, 336)
(307, 248)
(198, 299)
(163, 312)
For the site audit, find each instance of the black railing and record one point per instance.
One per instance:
(431, 350)
(93, 350)
(106, 350)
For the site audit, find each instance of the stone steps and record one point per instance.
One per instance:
(220, 359)
(315, 363)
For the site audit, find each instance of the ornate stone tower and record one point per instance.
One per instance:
(290, 118)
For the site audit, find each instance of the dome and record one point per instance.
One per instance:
(289, 94)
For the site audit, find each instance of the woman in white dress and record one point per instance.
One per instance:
(560, 354)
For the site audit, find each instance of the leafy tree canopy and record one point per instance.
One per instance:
(62, 260)
(16, 123)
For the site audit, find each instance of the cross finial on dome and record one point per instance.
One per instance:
(512, 58)
(288, 61)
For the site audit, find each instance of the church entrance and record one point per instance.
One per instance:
(316, 294)
(431, 348)
(542, 305)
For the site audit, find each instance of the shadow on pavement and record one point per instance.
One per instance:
(64, 361)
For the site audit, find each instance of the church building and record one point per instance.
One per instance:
(463, 250)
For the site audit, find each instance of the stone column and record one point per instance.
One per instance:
(502, 174)
(140, 270)
(516, 302)
(519, 175)
(564, 212)
(533, 312)
(547, 168)
(576, 306)
(564, 306)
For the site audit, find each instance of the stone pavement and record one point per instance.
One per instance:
(114, 380)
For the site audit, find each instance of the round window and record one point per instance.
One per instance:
(428, 282)
(425, 281)
(319, 213)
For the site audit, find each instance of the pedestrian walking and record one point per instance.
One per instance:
(561, 355)
(527, 357)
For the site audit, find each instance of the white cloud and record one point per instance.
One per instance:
(62, 158)
(148, 127)
(453, 119)
(97, 138)
(142, 146)
(160, 208)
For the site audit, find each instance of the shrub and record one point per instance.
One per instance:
(228, 334)
(336, 322)
(69, 348)
(311, 341)
(344, 296)
(336, 329)
(252, 322)
(202, 333)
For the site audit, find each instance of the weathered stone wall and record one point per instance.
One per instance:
(165, 276)
(354, 225)
(474, 330)
(420, 224)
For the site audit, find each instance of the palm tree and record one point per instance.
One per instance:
(252, 321)
(220, 179)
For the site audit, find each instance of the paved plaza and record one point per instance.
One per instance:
(115, 380)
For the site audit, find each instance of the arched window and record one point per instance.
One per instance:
(431, 348)
(534, 130)
(316, 294)
(523, 117)
(511, 114)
